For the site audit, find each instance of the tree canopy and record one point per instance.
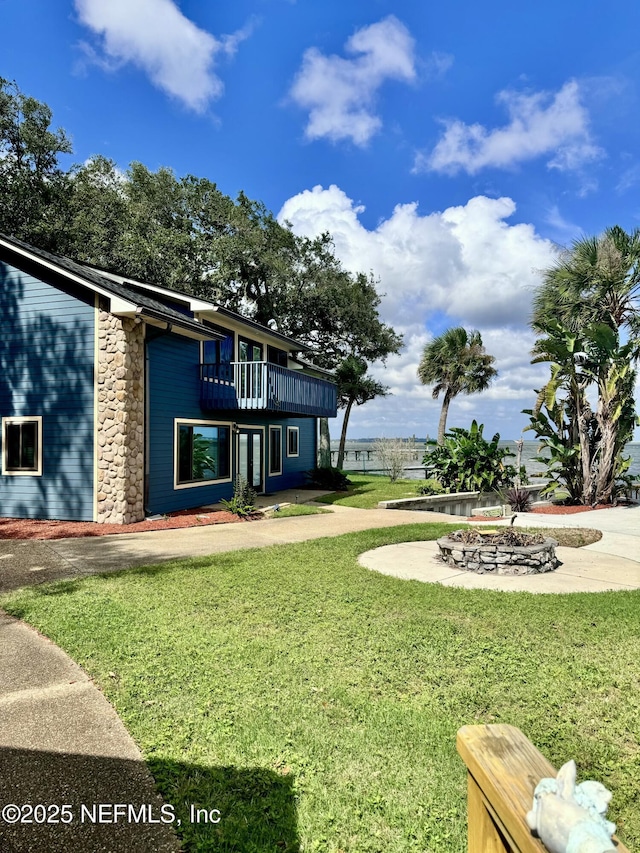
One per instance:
(31, 180)
(183, 233)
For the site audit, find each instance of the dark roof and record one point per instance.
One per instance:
(139, 286)
(233, 315)
(309, 365)
(143, 302)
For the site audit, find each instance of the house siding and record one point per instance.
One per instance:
(294, 467)
(47, 370)
(173, 392)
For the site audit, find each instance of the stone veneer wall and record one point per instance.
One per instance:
(499, 559)
(120, 419)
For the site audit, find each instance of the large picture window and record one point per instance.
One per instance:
(22, 446)
(203, 453)
(275, 450)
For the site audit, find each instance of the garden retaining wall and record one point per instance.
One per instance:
(458, 503)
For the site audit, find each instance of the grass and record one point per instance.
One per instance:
(298, 509)
(569, 537)
(316, 703)
(368, 489)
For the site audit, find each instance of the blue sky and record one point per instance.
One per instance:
(450, 148)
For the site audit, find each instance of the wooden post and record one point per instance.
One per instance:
(504, 769)
(484, 835)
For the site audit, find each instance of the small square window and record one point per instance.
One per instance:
(293, 441)
(22, 446)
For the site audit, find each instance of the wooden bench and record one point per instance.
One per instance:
(503, 771)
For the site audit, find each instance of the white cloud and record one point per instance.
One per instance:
(339, 93)
(438, 64)
(564, 230)
(629, 178)
(154, 35)
(541, 123)
(464, 265)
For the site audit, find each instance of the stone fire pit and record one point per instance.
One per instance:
(507, 552)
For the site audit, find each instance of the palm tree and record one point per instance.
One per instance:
(591, 298)
(355, 387)
(596, 281)
(456, 362)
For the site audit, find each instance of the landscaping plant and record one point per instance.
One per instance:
(393, 454)
(328, 478)
(467, 462)
(519, 499)
(430, 486)
(243, 502)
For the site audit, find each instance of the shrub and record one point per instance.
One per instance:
(519, 500)
(467, 462)
(393, 454)
(243, 502)
(328, 478)
(430, 487)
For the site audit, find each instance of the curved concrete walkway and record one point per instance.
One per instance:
(61, 742)
(613, 563)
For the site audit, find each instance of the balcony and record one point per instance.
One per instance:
(266, 387)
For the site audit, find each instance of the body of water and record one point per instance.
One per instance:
(360, 456)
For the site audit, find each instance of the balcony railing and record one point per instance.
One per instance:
(262, 386)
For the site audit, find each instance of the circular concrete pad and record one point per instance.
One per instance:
(580, 570)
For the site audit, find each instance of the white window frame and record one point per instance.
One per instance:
(291, 430)
(37, 419)
(177, 423)
(275, 429)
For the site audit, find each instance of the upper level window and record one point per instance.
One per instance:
(218, 352)
(22, 446)
(277, 356)
(249, 350)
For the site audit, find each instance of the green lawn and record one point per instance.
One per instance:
(316, 703)
(368, 489)
(292, 510)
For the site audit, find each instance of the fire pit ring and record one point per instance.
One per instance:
(484, 556)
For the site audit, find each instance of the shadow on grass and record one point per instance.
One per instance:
(248, 810)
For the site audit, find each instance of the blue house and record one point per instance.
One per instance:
(120, 399)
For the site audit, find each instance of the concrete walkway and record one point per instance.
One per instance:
(62, 743)
(25, 563)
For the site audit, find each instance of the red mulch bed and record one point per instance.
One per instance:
(555, 509)
(558, 509)
(26, 528)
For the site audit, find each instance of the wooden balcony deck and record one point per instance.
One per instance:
(262, 386)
